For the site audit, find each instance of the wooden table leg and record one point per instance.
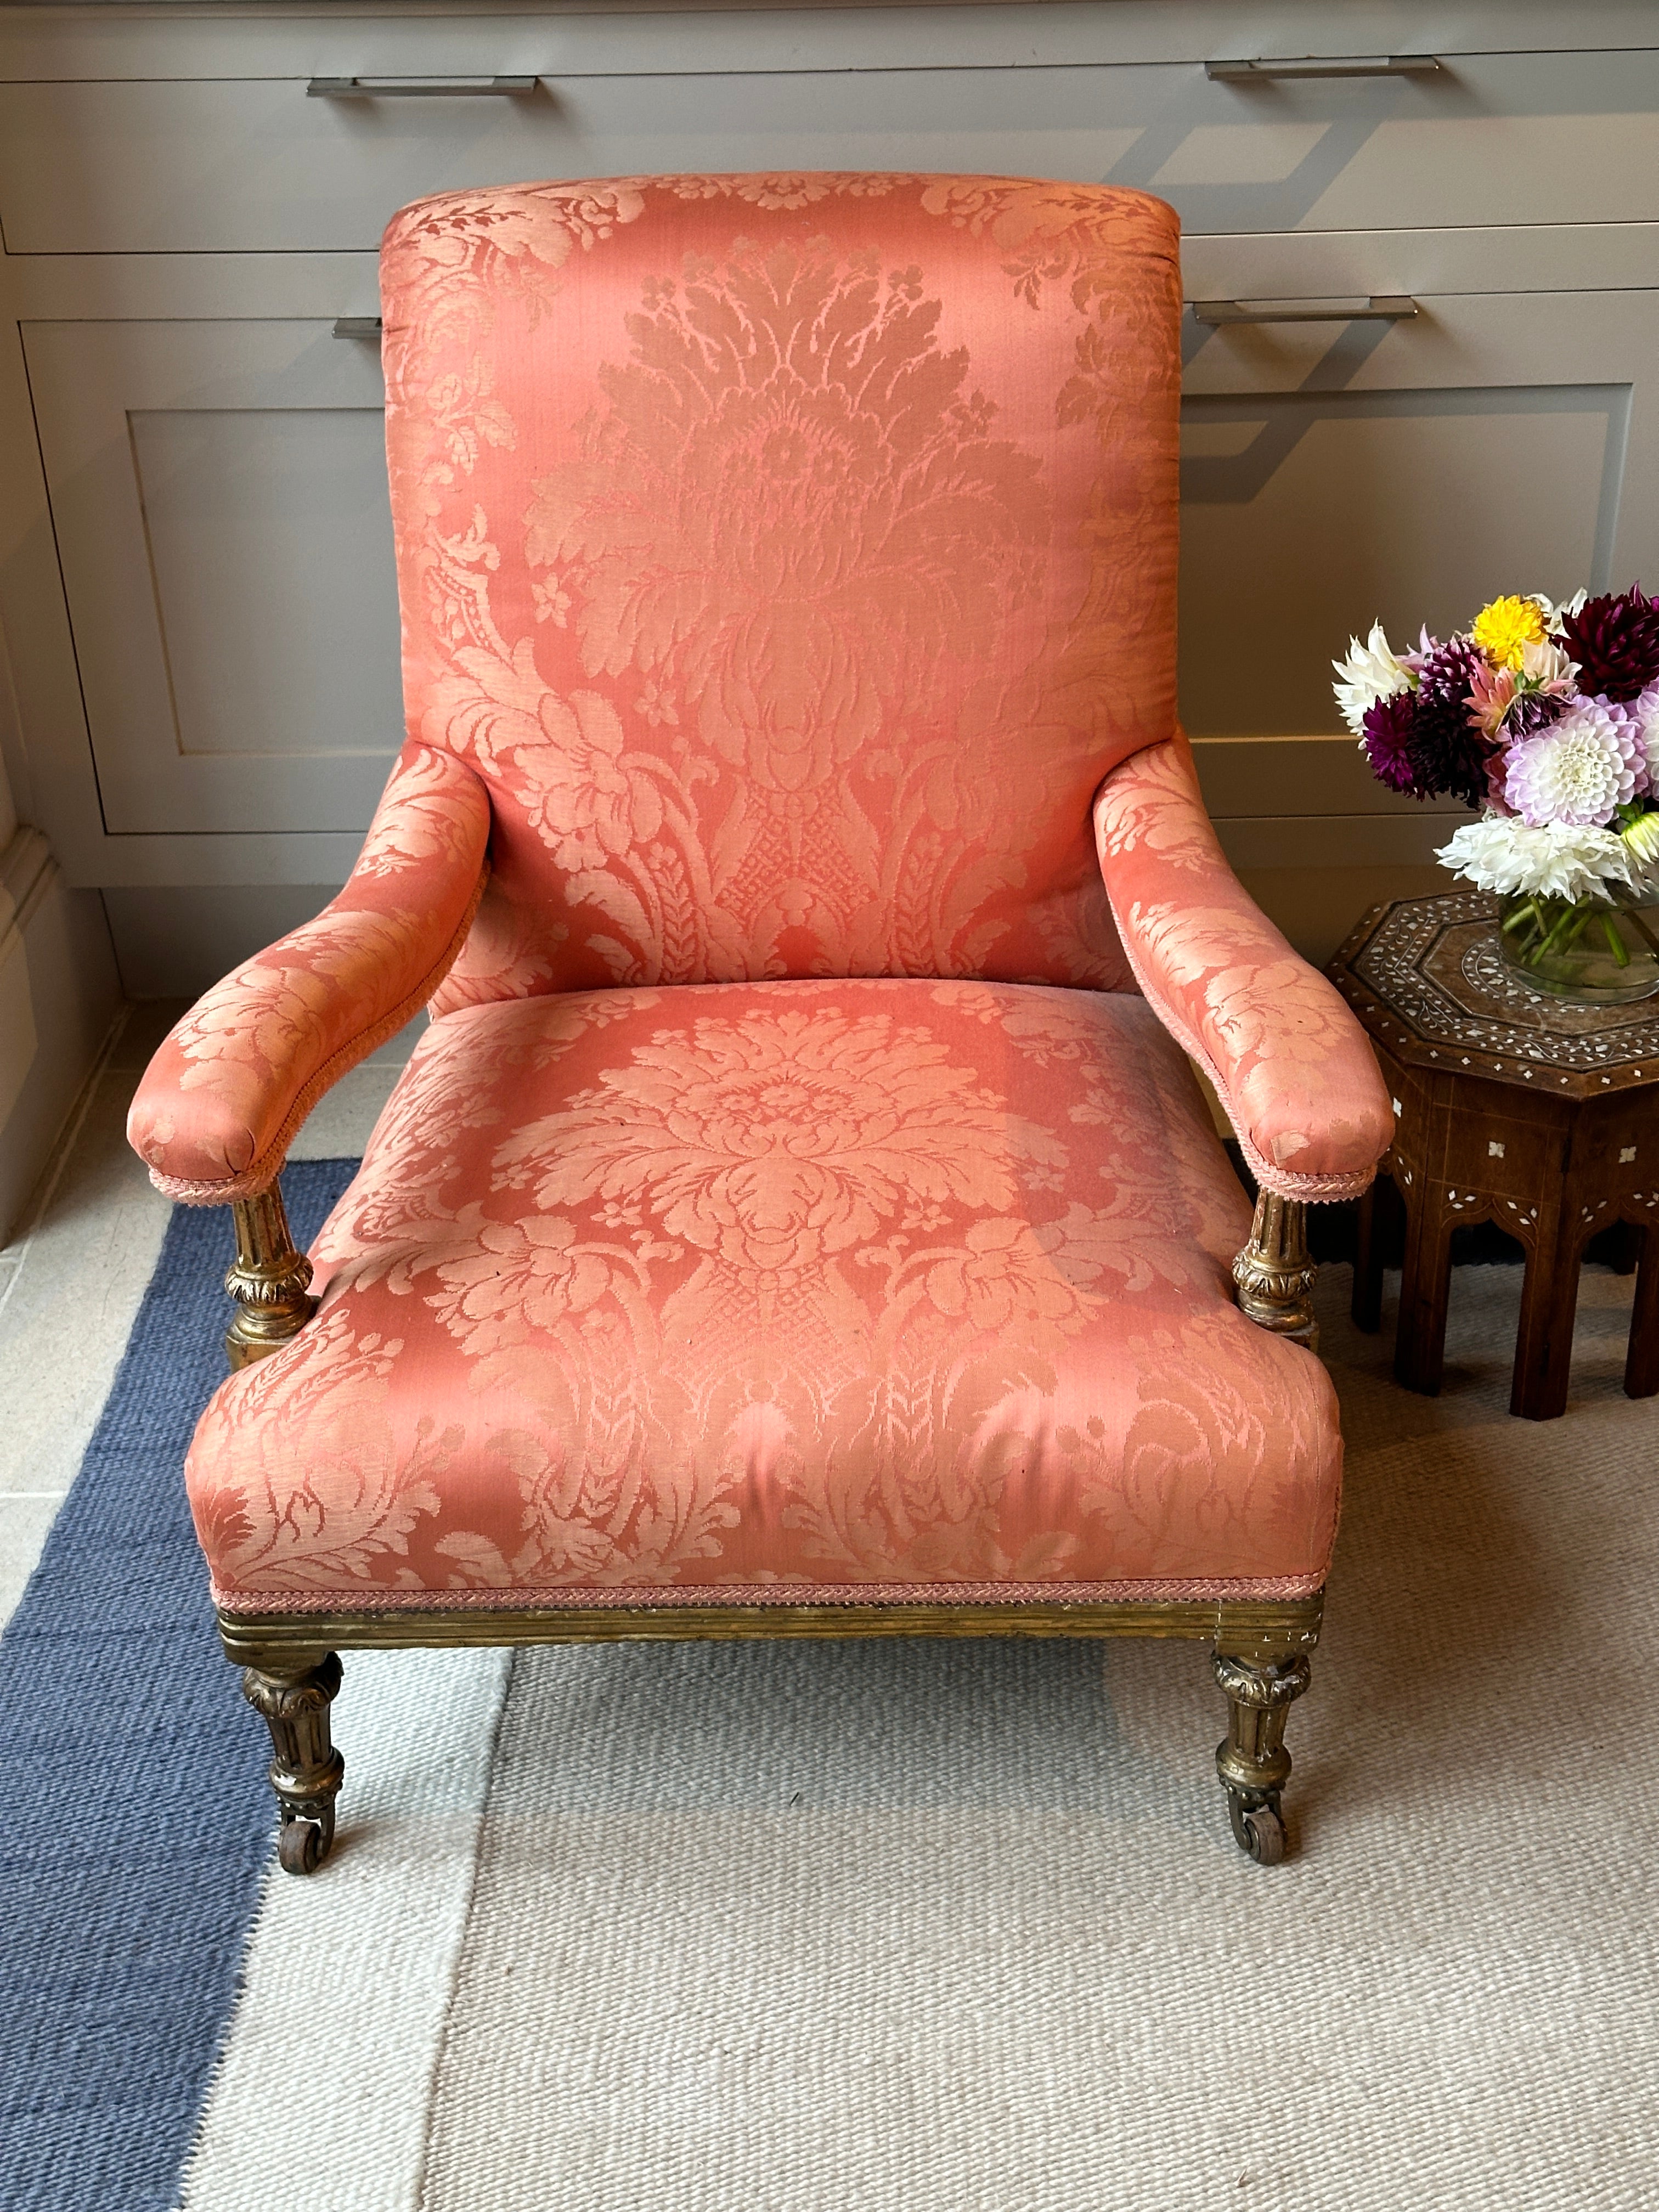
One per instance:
(1549, 1302)
(1380, 1219)
(1419, 1348)
(1641, 1360)
(1620, 1247)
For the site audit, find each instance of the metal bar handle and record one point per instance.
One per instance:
(358, 327)
(1380, 308)
(1300, 65)
(420, 87)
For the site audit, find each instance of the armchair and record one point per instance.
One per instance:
(801, 1218)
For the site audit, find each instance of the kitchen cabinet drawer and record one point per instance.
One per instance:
(253, 164)
(219, 498)
(1332, 473)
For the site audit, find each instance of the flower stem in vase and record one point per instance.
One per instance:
(1615, 943)
(1652, 941)
(1527, 914)
(1571, 921)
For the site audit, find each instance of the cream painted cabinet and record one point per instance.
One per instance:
(1335, 472)
(219, 493)
(196, 572)
(266, 165)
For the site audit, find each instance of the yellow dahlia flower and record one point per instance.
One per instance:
(1504, 629)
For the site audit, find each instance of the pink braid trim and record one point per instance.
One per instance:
(269, 1163)
(783, 1595)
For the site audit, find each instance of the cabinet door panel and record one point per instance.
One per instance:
(250, 165)
(220, 500)
(1335, 474)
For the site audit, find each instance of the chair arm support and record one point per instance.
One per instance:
(1275, 1273)
(270, 1280)
(1289, 1062)
(220, 1101)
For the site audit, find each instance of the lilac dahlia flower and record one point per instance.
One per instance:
(1642, 715)
(1576, 771)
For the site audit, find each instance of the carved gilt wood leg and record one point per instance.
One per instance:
(1252, 1762)
(306, 1770)
(1274, 1274)
(269, 1281)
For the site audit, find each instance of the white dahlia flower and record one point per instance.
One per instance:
(1545, 668)
(1555, 615)
(1370, 672)
(1560, 860)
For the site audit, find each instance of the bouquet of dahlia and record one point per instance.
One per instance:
(1546, 718)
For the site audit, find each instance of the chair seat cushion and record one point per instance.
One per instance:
(790, 1291)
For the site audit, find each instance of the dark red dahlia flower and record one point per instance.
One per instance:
(1389, 728)
(1615, 641)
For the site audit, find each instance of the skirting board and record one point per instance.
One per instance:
(59, 962)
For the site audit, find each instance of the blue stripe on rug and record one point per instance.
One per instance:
(139, 1823)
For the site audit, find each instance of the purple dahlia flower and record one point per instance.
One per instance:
(1447, 751)
(1531, 711)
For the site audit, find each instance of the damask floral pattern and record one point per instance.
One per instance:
(788, 579)
(884, 1283)
(1286, 1056)
(221, 1100)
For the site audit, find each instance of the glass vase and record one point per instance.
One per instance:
(1593, 951)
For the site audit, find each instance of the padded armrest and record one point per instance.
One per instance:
(1289, 1063)
(220, 1101)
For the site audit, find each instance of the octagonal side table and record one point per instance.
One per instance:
(1510, 1107)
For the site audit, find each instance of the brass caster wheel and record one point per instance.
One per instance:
(1258, 1829)
(302, 1845)
(1266, 1833)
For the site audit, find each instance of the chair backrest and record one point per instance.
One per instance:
(792, 555)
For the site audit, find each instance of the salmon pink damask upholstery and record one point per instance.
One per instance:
(220, 1101)
(821, 1289)
(796, 1193)
(793, 558)
(1288, 1061)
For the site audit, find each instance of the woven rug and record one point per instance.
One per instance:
(861, 1928)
